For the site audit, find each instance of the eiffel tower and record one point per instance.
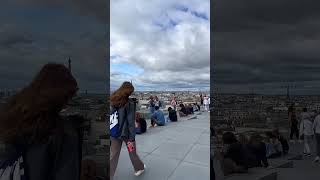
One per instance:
(69, 64)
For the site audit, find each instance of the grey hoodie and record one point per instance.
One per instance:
(127, 121)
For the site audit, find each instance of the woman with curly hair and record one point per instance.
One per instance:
(30, 124)
(123, 117)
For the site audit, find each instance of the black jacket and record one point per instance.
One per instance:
(127, 121)
(237, 153)
(257, 155)
(173, 116)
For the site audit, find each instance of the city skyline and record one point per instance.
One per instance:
(160, 44)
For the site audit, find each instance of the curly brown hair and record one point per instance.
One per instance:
(121, 96)
(34, 111)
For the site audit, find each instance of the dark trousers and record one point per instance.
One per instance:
(318, 144)
(294, 131)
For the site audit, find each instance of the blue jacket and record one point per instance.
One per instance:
(159, 117)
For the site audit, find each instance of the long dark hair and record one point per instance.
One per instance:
(121, 96)
(34, 111)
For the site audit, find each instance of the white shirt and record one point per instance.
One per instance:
(205, 101)
(316, 124)
(306, 127)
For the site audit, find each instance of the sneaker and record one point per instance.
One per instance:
(317, 159)
(138, 173)
(300, 141)
(292, 141)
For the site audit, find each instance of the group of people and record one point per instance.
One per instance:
(188, 109)
(305, 126)
(157, 115)
(240, 153)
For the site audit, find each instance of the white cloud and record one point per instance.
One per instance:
(181, 53)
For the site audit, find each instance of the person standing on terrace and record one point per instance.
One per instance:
(316, 128)
(293, 123)
(151, 104)
(174, 103)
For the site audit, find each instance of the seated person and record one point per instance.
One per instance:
(234, 155)
(172, 115)
(157, 118)
(183, 111)
(257, 156)
(141, 124)
(283, 141)
(195, 107)
(190, 109)
(273, 146)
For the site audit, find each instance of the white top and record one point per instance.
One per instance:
(157, 103)
(306, 127)
(205, 101)
(316, 124)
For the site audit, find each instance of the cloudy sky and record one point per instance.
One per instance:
(265, 45)
(160, 44)
(35, 32)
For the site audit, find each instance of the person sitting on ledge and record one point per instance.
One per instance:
(283, 141)
(234, 156)
(183, 111)
(190, 109)
(141, 124)
(274, 147)
(172, 115)
(157, 118)
(257, 152)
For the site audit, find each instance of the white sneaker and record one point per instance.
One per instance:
(292, 141)
(138, 173)
(317, 159)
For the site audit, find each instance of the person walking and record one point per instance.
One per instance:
(293, 123)
(306, 131)
(316, 128)
(122, 128)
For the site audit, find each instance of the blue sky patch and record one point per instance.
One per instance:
(126, 68)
